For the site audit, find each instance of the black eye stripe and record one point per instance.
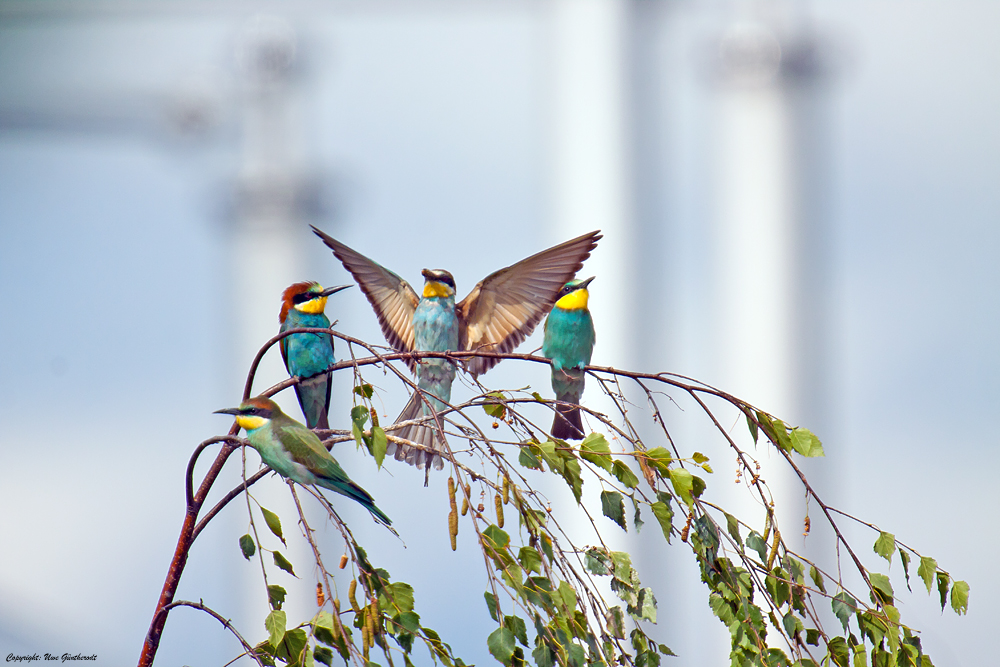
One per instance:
(303, 297)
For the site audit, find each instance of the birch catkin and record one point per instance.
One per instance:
(351, 591)
(498, 501)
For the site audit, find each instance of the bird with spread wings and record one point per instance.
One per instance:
(497, 315)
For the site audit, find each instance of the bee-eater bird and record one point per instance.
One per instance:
(500, 312)
(569, 343)
(295, 452)
(307, 355)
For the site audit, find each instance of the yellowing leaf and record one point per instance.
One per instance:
(273, 523)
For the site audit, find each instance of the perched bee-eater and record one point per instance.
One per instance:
(308, 354)
(569, 343)
(295, 452)
(499, 313)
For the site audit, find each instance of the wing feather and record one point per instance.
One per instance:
(506, 306)
(391, 297)
(306, 449)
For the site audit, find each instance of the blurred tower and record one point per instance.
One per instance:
(590, 177)
(768, 246)
(266, 250)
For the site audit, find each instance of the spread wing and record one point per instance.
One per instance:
(504, 308)
(391, 297)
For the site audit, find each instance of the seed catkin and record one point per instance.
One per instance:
(453, 529)
(351, 591)
(498, 501)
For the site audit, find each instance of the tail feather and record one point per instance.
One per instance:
(422, 434)
(566, 423)
(356, 493)
(314, 399)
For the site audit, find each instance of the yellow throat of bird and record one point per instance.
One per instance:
(433, 288)
(575, 300)
(249, 423)
(313, 306)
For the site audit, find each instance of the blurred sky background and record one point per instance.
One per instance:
(800, 203)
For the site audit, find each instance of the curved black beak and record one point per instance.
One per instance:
(334, 290)
(586, 282)
(228, 411)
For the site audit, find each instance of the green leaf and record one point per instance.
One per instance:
(548, 452)
(777, 586)
(530, 560)
(647, 605)
(812, 636)
(613, 506)
(396, 598)
(324, 655)
(624, 474)
(722, 609)
(283, 563)
(733, 526)
(494, 406)
(359, 415)
(491, 605)
(516, 625)
(942, 583)
(567, 594)
(843, 607)
(806, 443)
(497, 538)
(817, 578)
(501, 645)
(597, 562)
(880, 583)
(572, 475)
(276, 596)
(885, 545)
(379, 445)
(775, 430)
(683, 483)
(637, 517)
(756, 542)
(364, 389)
(273, 523)
(529, 459)
(960, 597)
(905, 558)
(839, 651)
(664, 516)
(292, 646)
(660, 458)
(543, 655)
(247, 546)
(359, 436)
(792, 624)
(596, 450)
(616, 622)
(699, 458)
(275, 626)
(926, 570)
(752, 425)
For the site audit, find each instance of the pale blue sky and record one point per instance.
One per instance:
(430, 123)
